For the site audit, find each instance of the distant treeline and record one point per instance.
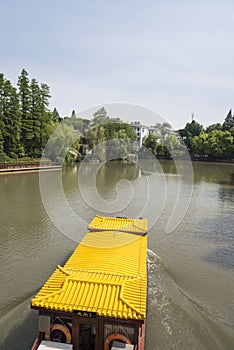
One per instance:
(26, 124)
(214, 142)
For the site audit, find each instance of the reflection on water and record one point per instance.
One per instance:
(190, 271)
(229, 181)
(213, 172)
(226, 190)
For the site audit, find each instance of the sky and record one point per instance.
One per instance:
(175, 58)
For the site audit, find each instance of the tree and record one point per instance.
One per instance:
(232, 131)
(1, 144)
(95, 138)
(191, 129)
(25, 105)
(25, 120)
(100, 117)
(118, 130)
(212, 127)
(35, 119)
(216, 144)
(200, 144)
(111, 140)
(46, 122)
(171, 142)
(162, 150)
(1, 113)
(120, 142)
(11, 119)
(228, 122)
(73, 115)
(220, 144)
(60, 142)
(55, 116)
(151, 143)
(79, 124)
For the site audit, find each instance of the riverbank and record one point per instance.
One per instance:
(211, 160)
(24, 167)
(16, 167)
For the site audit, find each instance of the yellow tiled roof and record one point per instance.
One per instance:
(100, 223)
(106, 274)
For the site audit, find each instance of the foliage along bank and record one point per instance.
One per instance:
(26, 124)
(25, 120)
(216, 142)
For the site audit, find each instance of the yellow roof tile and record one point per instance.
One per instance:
(106, 274)
(100, 223)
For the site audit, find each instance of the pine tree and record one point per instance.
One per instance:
(73, 115)
(55, 116)
(1, 112)
(46, 122)
(35, 118)
(25, 104)
(228, 122)
(12, 121)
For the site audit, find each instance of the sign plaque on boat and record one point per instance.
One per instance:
(87, 314)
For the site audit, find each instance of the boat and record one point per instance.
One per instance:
(98, 299)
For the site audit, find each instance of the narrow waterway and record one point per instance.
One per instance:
(191, 269)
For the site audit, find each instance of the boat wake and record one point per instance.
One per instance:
(175, 321)
(15, 316)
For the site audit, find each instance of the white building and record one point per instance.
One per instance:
(141, 131)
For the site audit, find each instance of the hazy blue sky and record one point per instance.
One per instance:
(174, 57)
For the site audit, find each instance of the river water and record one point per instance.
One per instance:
(191, 269)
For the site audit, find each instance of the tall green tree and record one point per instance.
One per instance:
(35, 118)
(228, 122)
(46, 122)
(1, 112)
(11, 118)
(25, 120)
(25, 106)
